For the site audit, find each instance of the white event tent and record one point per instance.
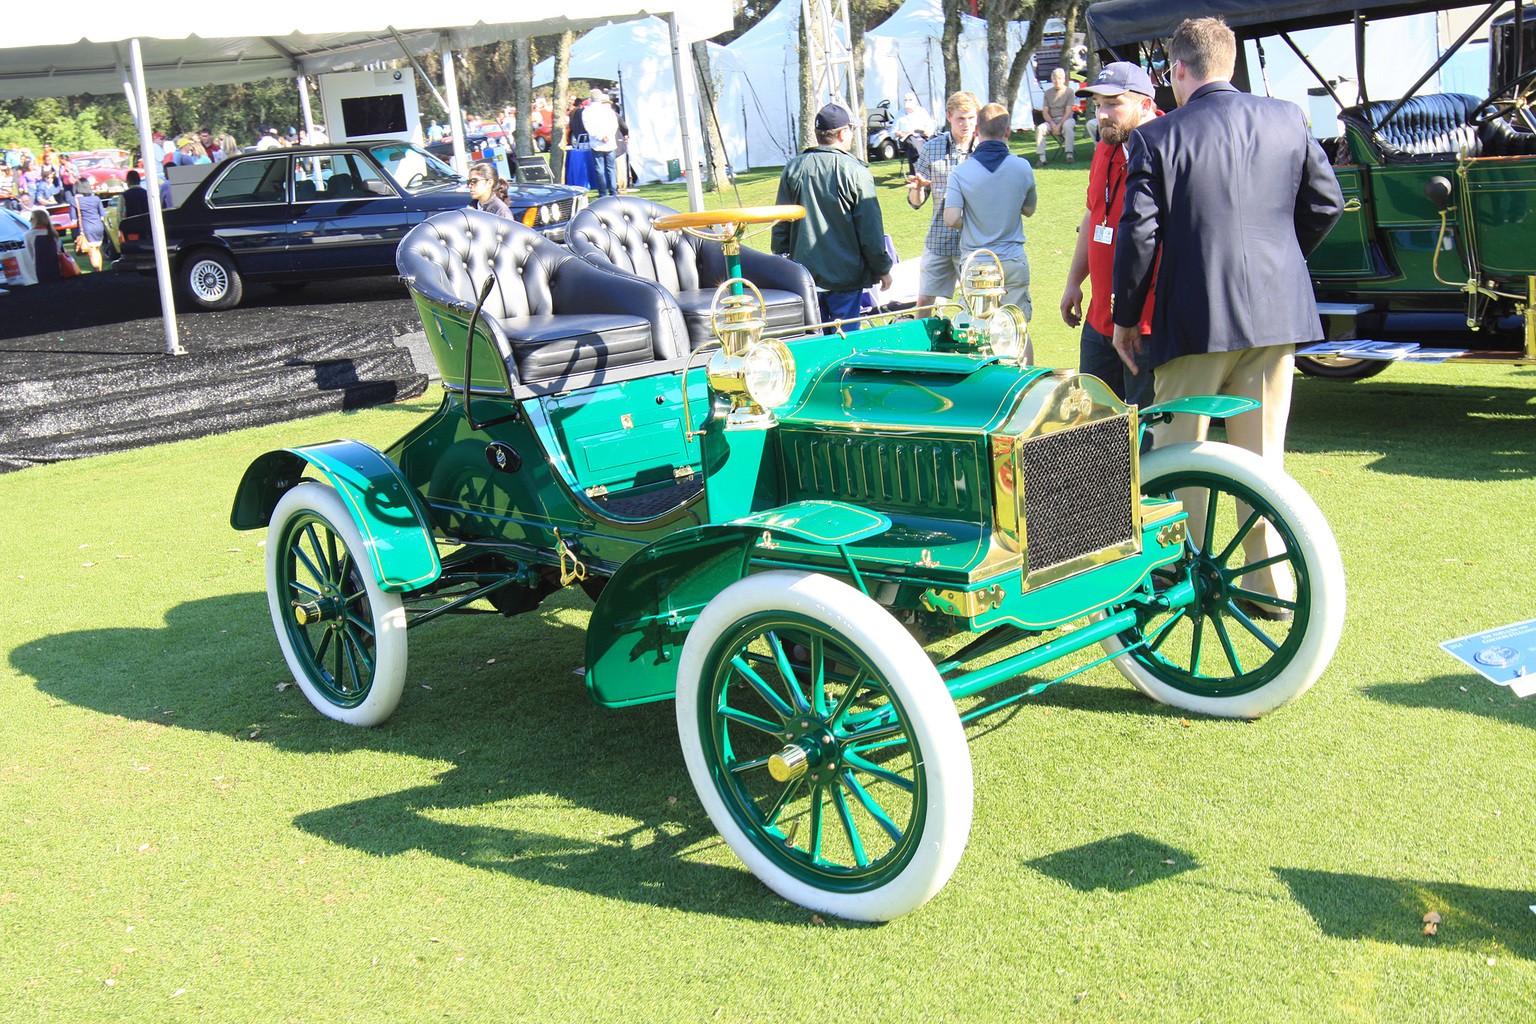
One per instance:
(757, 80)
(129, 48)
(637, 54)
(757, 75)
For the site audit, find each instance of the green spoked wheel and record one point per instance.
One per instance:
(1265, 588)
(343, 637)
(824, 746)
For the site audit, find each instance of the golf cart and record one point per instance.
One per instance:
(1434, 259)
(815, 543)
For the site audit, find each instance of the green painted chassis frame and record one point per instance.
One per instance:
(526, 490)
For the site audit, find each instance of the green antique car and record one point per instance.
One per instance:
(816, 544)
(1435, 256)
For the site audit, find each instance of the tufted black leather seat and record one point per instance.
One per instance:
(1501, 139)
(617, 232)
(1438, 125)
(550, 314)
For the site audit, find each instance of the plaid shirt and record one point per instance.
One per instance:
(938, 158)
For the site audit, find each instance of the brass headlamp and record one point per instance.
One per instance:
(990, 326)
(753, 373)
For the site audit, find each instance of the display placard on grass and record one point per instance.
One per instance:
(1506, 655)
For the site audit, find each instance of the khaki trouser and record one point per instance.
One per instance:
(1264, 375)
(1068, 137)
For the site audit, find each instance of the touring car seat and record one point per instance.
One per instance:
(550, 314)
(618, 232)
(1433, 127)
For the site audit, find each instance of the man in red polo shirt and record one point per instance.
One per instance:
(1124, 95)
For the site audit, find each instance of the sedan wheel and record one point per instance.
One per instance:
(212, 281)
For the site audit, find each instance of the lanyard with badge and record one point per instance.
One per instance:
(1102, 232)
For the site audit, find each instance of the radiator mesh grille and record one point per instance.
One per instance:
(927, 474)
(1077, 491)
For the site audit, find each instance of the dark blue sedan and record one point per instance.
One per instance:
(290, 216)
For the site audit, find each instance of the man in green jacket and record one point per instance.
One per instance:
(841, 241)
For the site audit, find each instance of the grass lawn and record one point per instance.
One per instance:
(184, 837)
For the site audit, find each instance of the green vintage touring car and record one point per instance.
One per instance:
(1435, 256)
(816, 544)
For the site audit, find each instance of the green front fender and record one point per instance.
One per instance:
(1198, 405)
(384, 505)
(646, 609)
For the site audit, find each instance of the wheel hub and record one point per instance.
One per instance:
(811, 749)
(209, 279)
(1210, 585)
(324, 609)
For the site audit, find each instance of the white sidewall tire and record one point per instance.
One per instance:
(387, 610)
(1319, 552)
(934, 723)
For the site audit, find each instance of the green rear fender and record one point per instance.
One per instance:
(385, 507)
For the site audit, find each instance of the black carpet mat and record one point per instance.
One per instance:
(84, 370)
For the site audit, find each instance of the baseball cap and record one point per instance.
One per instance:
(1114, 79)
(832, 117)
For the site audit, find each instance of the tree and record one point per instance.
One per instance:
(857, 18)
(1070, 17)
(1042, 12)
(522, 93)
(716, 171)
(807, 98)
(949, 47)
(1000, 13)
(559, 103)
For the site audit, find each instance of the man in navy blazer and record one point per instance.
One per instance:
(1236, 192)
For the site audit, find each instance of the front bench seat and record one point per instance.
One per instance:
(618, 232)
(550, 314)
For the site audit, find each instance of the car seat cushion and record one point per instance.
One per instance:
(545, 346)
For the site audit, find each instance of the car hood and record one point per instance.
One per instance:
(535, 194)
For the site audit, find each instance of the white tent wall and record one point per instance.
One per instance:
(650, 110)
(911, 38)
(759, 100)
(599, 51)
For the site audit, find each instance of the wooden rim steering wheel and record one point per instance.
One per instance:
(729, 215)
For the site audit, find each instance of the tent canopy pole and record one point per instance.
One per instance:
(309, 117)
(682, 75)
(138, 105)
(455, 117)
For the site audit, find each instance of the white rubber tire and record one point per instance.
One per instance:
(909, 676)
(318, 500)
(1319, 554)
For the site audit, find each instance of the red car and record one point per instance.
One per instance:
(105, 169)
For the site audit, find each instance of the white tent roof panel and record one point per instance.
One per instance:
(42, 57)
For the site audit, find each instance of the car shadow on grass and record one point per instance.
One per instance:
(1466, 692)
(1473, 919)
(1115, 863)
(534, 763)
(1409, 424)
